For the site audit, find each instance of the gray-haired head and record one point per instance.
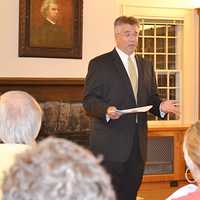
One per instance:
(57, 169)
(45, 6)
(20, 117)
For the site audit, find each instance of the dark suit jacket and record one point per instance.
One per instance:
(108, 84)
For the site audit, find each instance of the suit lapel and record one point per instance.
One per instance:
(140, 79)
(124, 78)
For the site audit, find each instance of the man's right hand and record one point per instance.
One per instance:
(112, 113)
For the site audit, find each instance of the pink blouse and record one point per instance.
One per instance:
(191, 196)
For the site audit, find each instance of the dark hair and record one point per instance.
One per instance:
(126, 20)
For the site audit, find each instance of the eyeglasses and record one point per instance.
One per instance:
(189, 177)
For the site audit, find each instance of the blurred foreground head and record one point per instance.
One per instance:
(57, 169)
(191, 149)
(20, 117)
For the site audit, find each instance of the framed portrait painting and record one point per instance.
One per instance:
(50, 28)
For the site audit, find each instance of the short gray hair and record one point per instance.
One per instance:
(125, 20)
(45, 7)
(58, 169)
(20, 117)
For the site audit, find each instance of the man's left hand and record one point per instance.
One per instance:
(170, 106)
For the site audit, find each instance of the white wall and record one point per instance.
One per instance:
(98, 17)
(162, 3)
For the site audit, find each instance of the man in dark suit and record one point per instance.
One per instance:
(122, 139)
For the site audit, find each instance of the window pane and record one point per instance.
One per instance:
(162, 80)
(172, 94)
(171, 30)
(162, 93)
(141, 28)
(171, 45)
(149, 30)
(149, 45)
(161, 30)
(172, 80)
(150, 58)
(160, 45)
(160, 62)
(139, 47)
(172, 62)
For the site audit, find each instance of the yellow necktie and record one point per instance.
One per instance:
(133, 76)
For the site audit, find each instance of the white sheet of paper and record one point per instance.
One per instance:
(135, 110)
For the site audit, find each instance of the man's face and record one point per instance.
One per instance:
(52, 13)
(126, 37)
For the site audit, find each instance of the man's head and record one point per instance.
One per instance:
(20, 117)
(49, 10)
(57, 169)
(126, 31)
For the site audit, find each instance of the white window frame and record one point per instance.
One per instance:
(154, 24)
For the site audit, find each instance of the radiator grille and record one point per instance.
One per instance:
(160, 155)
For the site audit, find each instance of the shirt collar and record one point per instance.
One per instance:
(50, 21)
(124, 55)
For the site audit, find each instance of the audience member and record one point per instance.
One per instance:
(20, 117)
(57, 169)
(191, 149)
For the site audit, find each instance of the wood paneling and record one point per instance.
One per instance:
(46, 89)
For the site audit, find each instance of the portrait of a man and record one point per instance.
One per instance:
(51, 23)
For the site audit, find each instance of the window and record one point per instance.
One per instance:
(176, 67)
(160, 42)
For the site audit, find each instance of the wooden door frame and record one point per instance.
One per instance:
(198, 12)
